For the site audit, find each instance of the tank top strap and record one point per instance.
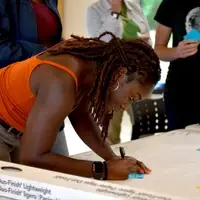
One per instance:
(60, 67)
(49, 48)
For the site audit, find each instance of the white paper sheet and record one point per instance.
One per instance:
(59, 186)
(12, 188)
(173, 159)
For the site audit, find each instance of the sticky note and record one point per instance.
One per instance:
(198, 187)
(198, 149)
(135, 176)
(192, 35)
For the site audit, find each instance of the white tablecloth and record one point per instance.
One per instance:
(173, 158)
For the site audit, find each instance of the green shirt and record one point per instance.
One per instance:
(130, 28)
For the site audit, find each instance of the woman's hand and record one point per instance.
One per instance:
(119, 169)
(140, 166)
(186, 48)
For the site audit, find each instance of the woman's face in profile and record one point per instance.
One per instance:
(123, 93)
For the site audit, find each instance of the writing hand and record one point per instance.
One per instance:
(137, 166)
(119, 169)
(140, 166)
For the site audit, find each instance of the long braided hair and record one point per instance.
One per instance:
(112, 57)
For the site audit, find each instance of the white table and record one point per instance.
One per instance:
(174, 161)
(32, 183)
(172, 157)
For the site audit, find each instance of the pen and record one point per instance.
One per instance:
(122, 152)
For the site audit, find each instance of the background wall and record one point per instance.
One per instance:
(74, 15)
(61, 8)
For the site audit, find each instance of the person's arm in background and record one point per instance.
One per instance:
(184, 49)
(13, 51)
(165, 53)
(94, 25)
(163, 32)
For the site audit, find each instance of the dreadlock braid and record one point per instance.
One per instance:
(136, 56)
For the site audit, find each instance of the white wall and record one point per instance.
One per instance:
(75, 17)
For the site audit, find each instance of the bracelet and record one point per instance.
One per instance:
(115, 14)
(105, 170)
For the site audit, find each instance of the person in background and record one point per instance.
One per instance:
(182, 84)
(87, 80)
(125, 19)
(26, 29)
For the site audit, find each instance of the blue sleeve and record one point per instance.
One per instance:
(13, 51)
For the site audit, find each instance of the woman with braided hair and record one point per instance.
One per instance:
(85, 79)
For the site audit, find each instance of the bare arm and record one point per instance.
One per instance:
(184, 49)
(163, 34)
(54, 101)
(89, 132)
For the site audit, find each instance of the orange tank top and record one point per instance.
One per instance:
(16, 97)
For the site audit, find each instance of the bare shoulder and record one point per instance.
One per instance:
(73, 63)
(55, 93)
(52, 79)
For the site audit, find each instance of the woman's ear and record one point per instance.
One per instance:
(118, 79)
